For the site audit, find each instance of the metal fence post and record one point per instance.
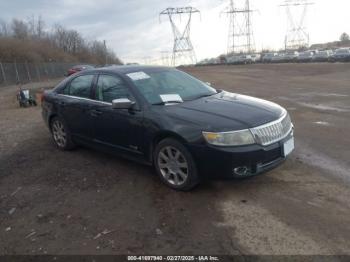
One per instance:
(3, 73)
(46, 71)
(17, 75)
(28, 74)
(37, 72)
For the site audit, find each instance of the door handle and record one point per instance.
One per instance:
(95, 112)
(62, 103)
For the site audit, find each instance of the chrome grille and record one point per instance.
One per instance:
(272, 132)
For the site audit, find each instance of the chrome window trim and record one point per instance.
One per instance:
(86, 99)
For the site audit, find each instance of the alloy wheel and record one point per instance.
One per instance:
(59, 133)
(173, 165)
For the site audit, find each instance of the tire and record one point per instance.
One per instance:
(175, 165)
(61, 135)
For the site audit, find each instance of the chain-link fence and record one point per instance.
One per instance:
(12, 73)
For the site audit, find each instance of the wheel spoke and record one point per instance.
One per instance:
(170, 154)
(182, 165)
(176, 179)
(167, 175)
(163, 156)
(163, 165)
(177, 155)
(182, 175)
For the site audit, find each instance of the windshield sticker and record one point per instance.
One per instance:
(171, 98)
(138, 76)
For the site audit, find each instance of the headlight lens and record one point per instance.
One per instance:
(235, 138)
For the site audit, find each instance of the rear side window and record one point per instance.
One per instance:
(80, 86)
(110, 88)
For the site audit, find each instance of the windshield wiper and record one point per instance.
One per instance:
(201, 96)
(167, 102)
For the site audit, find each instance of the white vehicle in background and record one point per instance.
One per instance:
(291, 56)
(323, 56)
(279, 58)
(232, 59)
(245, 59)
(267, 58)
(256, 58)
(306, 56)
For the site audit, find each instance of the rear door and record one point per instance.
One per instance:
(121, 129)
(75, 106)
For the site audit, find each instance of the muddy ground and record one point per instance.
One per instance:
(87, 202)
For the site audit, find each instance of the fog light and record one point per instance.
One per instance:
(241, 171)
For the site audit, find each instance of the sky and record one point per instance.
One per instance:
(133, 29)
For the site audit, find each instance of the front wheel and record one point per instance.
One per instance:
(175, 165)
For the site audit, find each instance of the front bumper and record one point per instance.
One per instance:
(238, 162)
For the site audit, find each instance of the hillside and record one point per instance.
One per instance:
(31, 41)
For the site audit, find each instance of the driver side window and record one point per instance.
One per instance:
(111, 87)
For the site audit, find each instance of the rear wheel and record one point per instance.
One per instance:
(61, 135)
(175, 165)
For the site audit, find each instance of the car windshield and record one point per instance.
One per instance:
(169, 86)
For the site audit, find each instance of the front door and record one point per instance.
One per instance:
(121, 129)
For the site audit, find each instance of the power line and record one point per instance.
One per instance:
(183, 51)
(240, 35)
(297, 35)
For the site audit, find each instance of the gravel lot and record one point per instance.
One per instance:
(87, 202)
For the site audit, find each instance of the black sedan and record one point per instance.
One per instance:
(166, 118)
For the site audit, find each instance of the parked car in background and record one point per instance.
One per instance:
(256, 58)
(323, 56)
(168, 119)
(267, 58)
(341, 55)
(78, 68)
(306, 56)
(244, 59)
(279, 58)
(232, 59)
(291, 56)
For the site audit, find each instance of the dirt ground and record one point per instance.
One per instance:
(87, 202)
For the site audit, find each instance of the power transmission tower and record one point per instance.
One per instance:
(297, 35)
(166, 58)
(183, 51)
(240, 36)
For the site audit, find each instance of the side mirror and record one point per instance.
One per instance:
(122, 103)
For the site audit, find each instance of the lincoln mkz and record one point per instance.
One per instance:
(166, 118)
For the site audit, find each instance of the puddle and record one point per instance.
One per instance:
(324, 107)
(323, 94)
(322, 123)
(324, 162)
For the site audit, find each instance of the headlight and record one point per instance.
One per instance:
(235, 138)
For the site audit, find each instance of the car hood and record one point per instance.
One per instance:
(225, 112)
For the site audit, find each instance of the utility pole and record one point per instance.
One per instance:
(240, 35)
(183, 51)
(296, 35)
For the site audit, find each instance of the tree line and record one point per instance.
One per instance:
(30, 40)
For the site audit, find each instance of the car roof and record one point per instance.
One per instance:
(126, 69)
